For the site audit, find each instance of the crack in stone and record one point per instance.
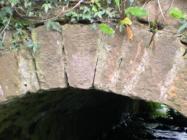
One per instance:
(152, 39)
(95, 70)
(36, 71)
(120, 62)
(65, 65)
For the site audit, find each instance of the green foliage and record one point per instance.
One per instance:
(13, 2)
(91, 13)
(136, 11)
(46, 7)
(181, 16)
(18, 15)
(19, 38)
(182, 27)
(106, 29)
(15, 15)
(5, 11)
(53, 25)
(156, 110)
(117, 3)
(177, 13)
(33, 46)
(22, 15)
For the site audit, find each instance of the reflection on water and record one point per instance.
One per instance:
(163, 131)
(138, 128)
(168, 134)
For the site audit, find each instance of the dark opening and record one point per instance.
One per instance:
(75, 114)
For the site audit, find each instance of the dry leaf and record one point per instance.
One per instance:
(129, 33)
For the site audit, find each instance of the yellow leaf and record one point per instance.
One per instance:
(126, 21)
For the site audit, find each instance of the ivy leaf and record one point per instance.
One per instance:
(46, 7)
(106, 29)
(53, 25)
(6, 10)
(117, 2)
(13, 2)
(177, 13)
(33, 46)
(136, 11)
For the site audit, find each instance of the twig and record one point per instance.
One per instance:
(171, 4)
(3, 38)
(159, 5)
(6, 26)
(3, 34)
(62, 12)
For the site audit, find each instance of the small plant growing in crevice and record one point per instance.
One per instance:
(130, 12)
(53, 25)
(106, 29)
(181, 17)
(126, 21)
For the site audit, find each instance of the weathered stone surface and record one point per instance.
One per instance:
(109, 59)
(9, 71)
(80, 47)
(181, 4)
(49, 59)
(160, 11)
(164, 64)
(129, 68)
(9, 75)
(17, 74)
(120, 59)
(177, 94)
(27, 72)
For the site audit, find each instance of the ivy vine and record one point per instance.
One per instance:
(21, 16)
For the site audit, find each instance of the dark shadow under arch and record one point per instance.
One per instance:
(66, 114)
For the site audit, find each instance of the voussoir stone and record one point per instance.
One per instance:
(27, 72)
(165, 61)
(177, 94)
(9, 75)
(9, 72)
(80, 47)
(119, 60)
(49, 59)
(17, 72)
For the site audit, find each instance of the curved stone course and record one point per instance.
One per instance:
(82, 57)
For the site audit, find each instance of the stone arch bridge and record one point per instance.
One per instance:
(82, 57)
